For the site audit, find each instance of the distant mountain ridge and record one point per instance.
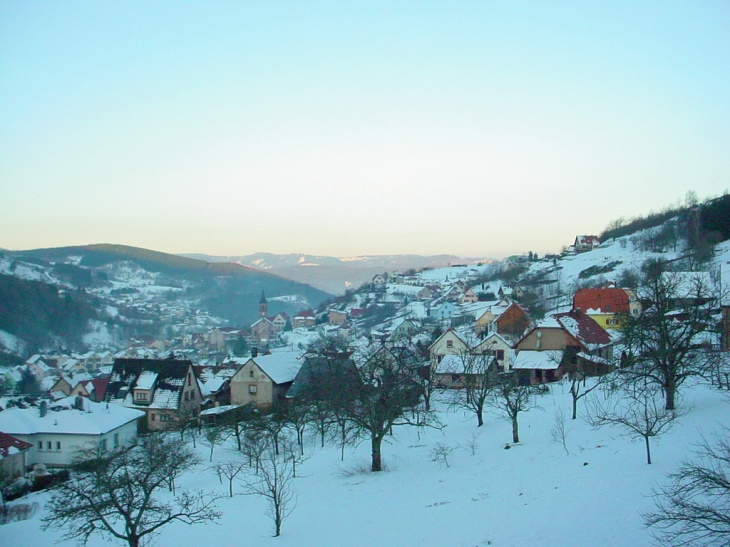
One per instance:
(333, 274)
(144, 285)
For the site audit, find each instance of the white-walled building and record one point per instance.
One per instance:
(57, 431)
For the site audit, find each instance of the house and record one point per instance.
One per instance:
(443, 311)
(336, 317)
(538, 367)
(449, 343)
(500, 349)
(280, 320)
(468, 296)
(584, 243)
(513, 321)
(405, 329)
(304, 319)
(13, 456)
(571, 341)
(263, 331)
(167, 390)
(605, 305)
(57, 431)
(264, 380)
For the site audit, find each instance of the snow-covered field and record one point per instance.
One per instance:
(533, 494)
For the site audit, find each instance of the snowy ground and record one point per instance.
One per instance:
(532, 494)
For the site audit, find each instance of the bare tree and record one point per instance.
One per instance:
(511, 398)
(638, 407)
(694, 507)
(255, 443)
(274, 482)
(114, 495)
(378, 389)
(578, 374)
(230, 470)
(213, 436)
(558, 433)
(671, 339)
(477, 373)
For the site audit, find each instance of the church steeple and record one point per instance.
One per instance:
(263, 305)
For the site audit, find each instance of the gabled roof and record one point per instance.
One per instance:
(587, 240)
(9, 445)
(128, 374)
(447, 331)
(261, 320)
(281, 367)
(62, 417)
(583, 328)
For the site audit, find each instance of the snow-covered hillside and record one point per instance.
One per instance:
(532, 494)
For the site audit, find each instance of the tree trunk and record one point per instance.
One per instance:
(648, 450)
(377, 464)
(670, 389)
(515, 430)
(574, 393)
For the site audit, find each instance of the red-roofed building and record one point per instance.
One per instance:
(13, 455)
(604, 304)
(304, 319)
(585, 243)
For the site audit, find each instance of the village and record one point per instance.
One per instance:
(441, 318)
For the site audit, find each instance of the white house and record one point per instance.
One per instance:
(57, 431)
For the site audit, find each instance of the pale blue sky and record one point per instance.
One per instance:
(345, 128)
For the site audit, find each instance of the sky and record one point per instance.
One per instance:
(348, 128)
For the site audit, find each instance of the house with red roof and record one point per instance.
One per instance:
(13, 455)
(584, 243)
(564, 342)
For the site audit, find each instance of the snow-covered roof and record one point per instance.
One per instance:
(218, 410)
(450, 363)
(63, 418)
(146, 380)
(536, 360)
(281, 367)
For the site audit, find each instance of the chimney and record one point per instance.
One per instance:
(254, 351)
(44, 408)
(79, 402)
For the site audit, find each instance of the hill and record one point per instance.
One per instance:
(336, 275)
(141, 291)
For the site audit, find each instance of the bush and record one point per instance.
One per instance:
(41, 482)
(18, 512)
(17, 489)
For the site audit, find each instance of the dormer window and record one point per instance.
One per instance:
(141, 396)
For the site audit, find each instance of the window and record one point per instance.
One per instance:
(141, 396)
(164, 418)
(116, 440)
(190, 379)
(152, 417)
(40, 445)
(58, 445)
(449, 344)
(102, 445)
(253, 389)
(499, 354)
(251, 373)
(48, 445)
(185, 395)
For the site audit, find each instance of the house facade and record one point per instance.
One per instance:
(167, 390)
(265, 380)
(13, 456)
(57, 431)
(263, 331)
